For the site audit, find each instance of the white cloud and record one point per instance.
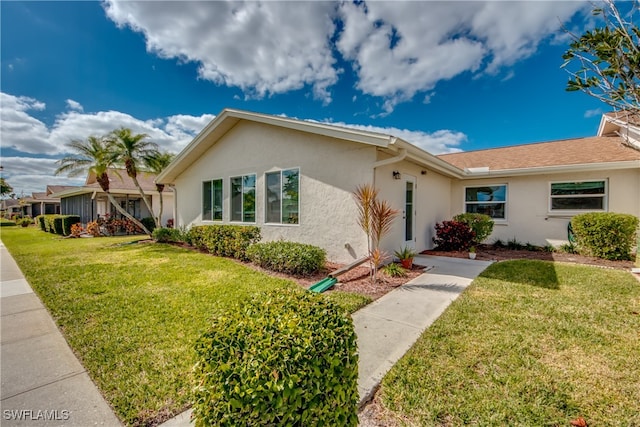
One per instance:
(19, 129)
(438, 142)
(263, 48)
(74, 105)
(28, 175)
(397, 49)
(593, 113)
(26, 134)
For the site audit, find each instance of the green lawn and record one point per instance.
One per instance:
(528, 343)
(132, 312)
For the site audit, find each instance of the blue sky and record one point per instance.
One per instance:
(447, 76)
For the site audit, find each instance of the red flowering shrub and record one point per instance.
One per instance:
(93, 228)
(453, 236)
(76, 229)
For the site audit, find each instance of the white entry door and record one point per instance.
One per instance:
(409, 212)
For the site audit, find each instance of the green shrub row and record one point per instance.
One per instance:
(605, 235)
(224, 240)
(287, 358)
(7, 223)
(287, 257)
(57, 224)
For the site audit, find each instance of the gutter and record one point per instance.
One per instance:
(402, 154)
(483, 172)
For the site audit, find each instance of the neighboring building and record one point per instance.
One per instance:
(90, 202)
(295, 180)
(44, 203)
(10, 207)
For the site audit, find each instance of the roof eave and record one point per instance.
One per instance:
(428, 160)
(589, 167)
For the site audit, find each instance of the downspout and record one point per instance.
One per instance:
(175, 205)
(402, 154)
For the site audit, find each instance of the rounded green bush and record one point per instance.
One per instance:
(166, 235)
(480, 224)
(605, 235)
(287, 257)
(286, 357)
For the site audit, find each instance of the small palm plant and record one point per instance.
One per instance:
(375, 217)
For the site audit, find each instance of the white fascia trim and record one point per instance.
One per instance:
(631, 164)
(428, 160)
(72, 192)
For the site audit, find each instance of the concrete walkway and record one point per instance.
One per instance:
(43, 383)
(389, 326)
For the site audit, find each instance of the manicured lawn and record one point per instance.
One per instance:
(529, 343)
(132, 312)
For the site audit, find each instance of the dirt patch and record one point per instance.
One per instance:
(490, 253)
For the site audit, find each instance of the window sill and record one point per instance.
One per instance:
(279, 224)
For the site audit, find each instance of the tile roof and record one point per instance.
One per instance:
(598, 149)
(58, 188)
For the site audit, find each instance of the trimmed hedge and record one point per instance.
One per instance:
(605, 235)
(40, 222)
(287, 357)
(288, 257)
(224, 240)
(58, 224)
(480, 224)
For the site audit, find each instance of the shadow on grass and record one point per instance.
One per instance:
(541, 274)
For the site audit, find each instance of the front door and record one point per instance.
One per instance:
(409, 212)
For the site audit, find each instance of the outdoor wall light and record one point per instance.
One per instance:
(396, 175)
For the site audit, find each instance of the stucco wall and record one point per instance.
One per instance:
(528, 215)
(432, 202)
(329, 172)
(167, 205)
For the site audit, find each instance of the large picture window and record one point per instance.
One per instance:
(212, 200)
(243, 198)
(282, 197)
(578, 196)
(489, 200)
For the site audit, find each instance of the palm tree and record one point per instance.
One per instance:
(156, 163)
(95, 156)
(130, 149)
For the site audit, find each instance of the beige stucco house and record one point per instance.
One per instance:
(294, 179)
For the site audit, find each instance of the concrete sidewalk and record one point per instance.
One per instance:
(43, 383)
(389, 326)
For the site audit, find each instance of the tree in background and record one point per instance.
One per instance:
(5, 188)
(155, 163)
(97, 156)
(607, 59)
(131, 150)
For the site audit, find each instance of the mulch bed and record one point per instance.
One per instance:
(491, 253)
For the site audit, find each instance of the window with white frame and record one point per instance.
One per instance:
(282, 202)
(243, 198)
(212, 200)
(487, 199)
(578, 196)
